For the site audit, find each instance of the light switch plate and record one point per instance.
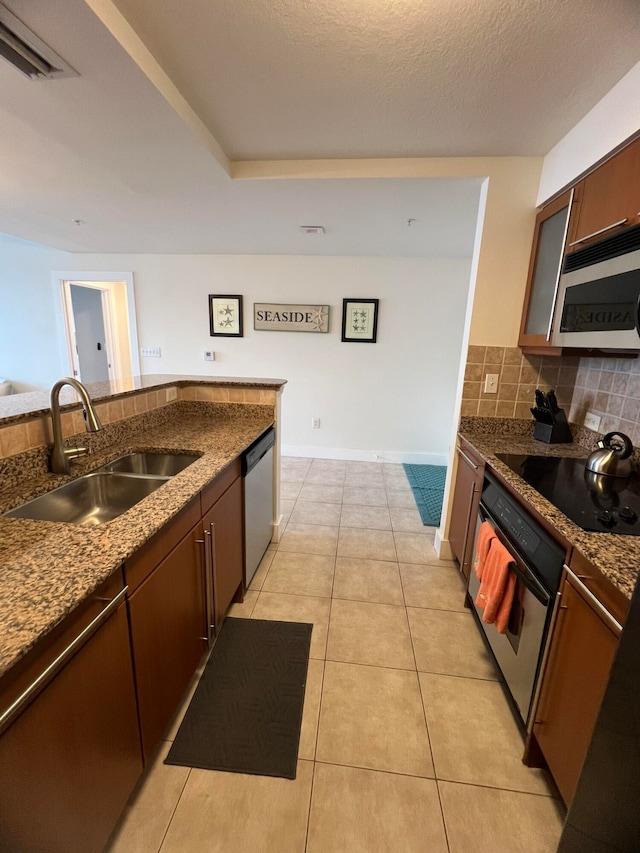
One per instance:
(491, 383)
(150, 352)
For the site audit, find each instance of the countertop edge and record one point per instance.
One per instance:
(96, 552)
(617, 558)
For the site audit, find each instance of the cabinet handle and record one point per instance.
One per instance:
(214, 591)
(600, 231)
(467, 459)
(208, 580)
(611, 621)
(554, 625)
(557, 284)
(56, 665)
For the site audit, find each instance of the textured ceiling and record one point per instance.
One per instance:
(120, 147)
(294, 79)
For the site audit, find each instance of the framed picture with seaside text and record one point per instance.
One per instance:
(360, 320)
(225, 316)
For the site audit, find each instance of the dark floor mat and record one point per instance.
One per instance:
(246, 713)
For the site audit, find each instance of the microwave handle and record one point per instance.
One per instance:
(554, 301)
(600, 231)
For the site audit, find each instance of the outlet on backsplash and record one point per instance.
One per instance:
(592, 421)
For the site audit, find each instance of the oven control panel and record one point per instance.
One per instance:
(521, 532)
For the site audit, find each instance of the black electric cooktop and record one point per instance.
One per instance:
(595, 502)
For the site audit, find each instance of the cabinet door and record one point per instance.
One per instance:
(70, 761)
(466, 497)
(544, 272)
(610, 197)
(580, 657)
(224, 523)
(167, 632)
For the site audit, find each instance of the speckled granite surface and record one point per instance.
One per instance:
(47, 568)
(16, 406)
(617, 557)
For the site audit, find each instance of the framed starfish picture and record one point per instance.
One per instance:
(360, 320)
(225, 316)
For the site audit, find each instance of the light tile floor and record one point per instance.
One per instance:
(407, 742)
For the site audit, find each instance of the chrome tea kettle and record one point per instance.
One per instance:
(613, 456)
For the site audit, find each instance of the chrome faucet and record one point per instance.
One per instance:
(61, 455)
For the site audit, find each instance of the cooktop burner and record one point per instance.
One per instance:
(594, 502)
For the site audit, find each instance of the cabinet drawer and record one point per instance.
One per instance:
(601, 587)
(25, 673)
(216, 488)
(144, 561)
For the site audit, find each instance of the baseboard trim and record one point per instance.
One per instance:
(443, 547)
(276, 527)
(394, 456)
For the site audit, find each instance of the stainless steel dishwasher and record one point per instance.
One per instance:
(257, 473)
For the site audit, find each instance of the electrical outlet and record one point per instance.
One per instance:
(315, 423)
(150, 352)
(172, 394)
(491, 383)
(209, 355)
(592, 421)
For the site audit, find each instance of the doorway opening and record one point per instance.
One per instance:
(97, 315)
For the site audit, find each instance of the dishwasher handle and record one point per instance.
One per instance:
(258, 449)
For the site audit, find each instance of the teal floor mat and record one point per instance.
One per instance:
(427, 484)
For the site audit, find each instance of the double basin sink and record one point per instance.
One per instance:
(106, 493)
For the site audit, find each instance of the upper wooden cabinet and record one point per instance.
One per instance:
(548, 249)
(607, 199)
(597, 207)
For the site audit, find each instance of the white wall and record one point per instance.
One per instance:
(613, 120)
(395, 398)
(29, 347)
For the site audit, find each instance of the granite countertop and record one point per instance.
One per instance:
(48, 568)
(617, 557)
(31, 403)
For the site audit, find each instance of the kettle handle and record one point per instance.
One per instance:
(628, 446)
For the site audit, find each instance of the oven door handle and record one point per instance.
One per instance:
(523, 573)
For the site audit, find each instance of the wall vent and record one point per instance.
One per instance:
(27, 53)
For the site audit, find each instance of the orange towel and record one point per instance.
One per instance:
(497, 587)
(485, 537)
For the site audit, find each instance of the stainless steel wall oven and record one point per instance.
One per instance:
(537, 562)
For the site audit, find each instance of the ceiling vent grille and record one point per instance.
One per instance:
(27, 53)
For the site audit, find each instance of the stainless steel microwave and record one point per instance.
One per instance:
(598, 301)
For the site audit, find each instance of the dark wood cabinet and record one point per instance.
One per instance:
(549, 241)
(181, 585)
(466, 497)
(69, 761)
(582, 648)
(84, 710)
(607, 199)
(223, 523)
(168, 635)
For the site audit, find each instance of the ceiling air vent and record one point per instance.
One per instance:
(27, 53)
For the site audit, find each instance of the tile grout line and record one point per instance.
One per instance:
(426, 723)
(173, 813)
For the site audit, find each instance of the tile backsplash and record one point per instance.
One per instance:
(608, 387)
(518, 377)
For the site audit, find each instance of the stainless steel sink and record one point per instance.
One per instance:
(151, 464)
(92, 499)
